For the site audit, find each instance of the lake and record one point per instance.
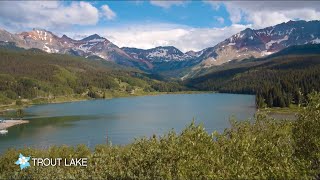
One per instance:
(123, 119)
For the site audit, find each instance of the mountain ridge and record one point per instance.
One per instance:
(89, 46)
(278, 80)
(245, 44)
(261, 42)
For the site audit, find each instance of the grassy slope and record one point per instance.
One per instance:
(38, 77)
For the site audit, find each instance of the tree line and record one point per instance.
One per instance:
(279, 82)
(27, 74)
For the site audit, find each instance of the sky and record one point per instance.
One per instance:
(187, 25)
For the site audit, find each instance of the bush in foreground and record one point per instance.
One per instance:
(263, 149)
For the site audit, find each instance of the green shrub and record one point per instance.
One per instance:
(93, 94)
(19, 102)
(306, 132)
(260, 149)
(4, 99)
(11, 94)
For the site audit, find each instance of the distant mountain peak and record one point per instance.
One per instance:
(92, 37)
(166, 47)
(39, 31)
(262, 42)
(248, 30)
(193, 53)
(38, 34)
(242, 45)
(65, 36)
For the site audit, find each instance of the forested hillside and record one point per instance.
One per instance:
(278, 81)
(34, 74)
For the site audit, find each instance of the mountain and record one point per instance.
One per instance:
(94, 37)
(159, 54)
(93, 45)
(168, 60)
(5, 36)
(249, 43)
(262, 42)
(193, 53)
(278, 80)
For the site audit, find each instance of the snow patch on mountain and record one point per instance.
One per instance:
(316, 41)
(97, 40)
(270, 43)
(46, 48)
(158, 53)
(266, 53)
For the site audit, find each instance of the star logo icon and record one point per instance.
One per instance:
(23, 161)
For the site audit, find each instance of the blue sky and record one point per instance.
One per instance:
(194, 14)
(188, 25)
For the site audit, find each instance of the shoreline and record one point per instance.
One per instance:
(272, 112)
(9, 123)
(66, 99)
(281, 113)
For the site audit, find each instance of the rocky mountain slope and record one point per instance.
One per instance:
(159, 54)
(170, 60)
(164, 58)
(93, 45)
(279, 80)
(261, 42)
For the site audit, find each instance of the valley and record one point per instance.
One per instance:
(159, 89)
(279, 80)
(280, 64)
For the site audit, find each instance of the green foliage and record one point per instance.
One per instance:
(277, 82)
(168, 86)
(37, 75)
(4, 99)
(260, 149)
(19, 102)
(93, 94)
(133, 81)
(63, 76)
(306, 132)
(20, 113)
(129, 89)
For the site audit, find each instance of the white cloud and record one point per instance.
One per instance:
(214, 4)
(167, 4)
(19, 15)
(56, 15)
(151, 35)
(267, 13)
(107, 12)
(219, 19)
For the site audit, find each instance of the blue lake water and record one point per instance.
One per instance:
(123, 119)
